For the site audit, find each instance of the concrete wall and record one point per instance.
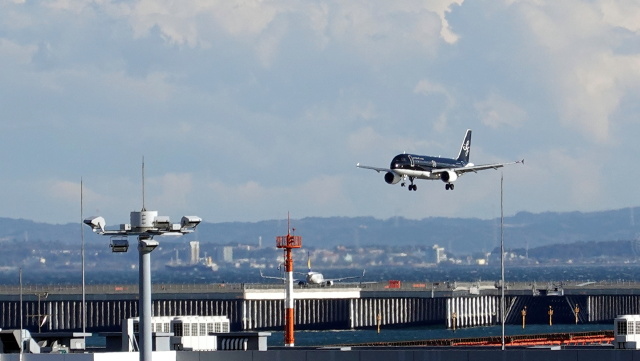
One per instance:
(105, 356)
(416, 355)
(461, 354)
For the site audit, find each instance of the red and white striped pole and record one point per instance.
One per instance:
(289, 301)
(289, 242)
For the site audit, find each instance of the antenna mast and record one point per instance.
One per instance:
(143, 207)
(288, 243)
(84, 301)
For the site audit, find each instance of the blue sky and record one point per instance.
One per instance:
(247, 110)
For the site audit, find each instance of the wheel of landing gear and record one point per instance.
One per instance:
(446, 186)
(451, 187)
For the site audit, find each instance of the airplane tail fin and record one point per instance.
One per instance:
(465, 148)
(309, 261)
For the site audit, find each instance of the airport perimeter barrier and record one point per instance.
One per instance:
(390, 285)
(373, 354)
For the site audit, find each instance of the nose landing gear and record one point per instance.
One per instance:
(448, 186)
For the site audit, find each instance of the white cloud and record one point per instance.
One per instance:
(586, 74)
(194, 23)
(367, 141)
(496, 111)
(16, 53)
(176, 191)
(326, 195)
(559, 178)
(223, 91)
(441, 8)
(428, 88)
(621, 13)
(76, 6)
(364, 139)
(379, 29)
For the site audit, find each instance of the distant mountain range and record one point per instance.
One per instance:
(457, 235)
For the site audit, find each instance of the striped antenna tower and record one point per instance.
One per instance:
(288, 243)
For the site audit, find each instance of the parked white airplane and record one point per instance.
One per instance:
(314, 278)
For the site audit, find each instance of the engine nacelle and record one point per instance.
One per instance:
(448, 176)
(391, 178)
(329, 283)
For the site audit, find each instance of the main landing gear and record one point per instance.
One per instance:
(448, 186)
(412, 187)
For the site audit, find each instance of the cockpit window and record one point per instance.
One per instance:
(401, 160)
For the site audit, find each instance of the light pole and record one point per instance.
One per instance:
(145, 225)
(502, 305)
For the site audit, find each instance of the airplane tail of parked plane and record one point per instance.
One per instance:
(465, 148)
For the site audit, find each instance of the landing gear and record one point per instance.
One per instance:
(412, 187)
(448, 186)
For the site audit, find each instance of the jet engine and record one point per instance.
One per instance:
(391, 178)
(448, 176)
(329, 283)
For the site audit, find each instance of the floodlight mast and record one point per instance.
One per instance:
(144, 224)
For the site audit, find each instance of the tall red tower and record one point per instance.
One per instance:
(288, 243)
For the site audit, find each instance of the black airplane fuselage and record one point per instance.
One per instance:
(423, 163)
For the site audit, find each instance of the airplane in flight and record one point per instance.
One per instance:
(314, 278)
(448, 170)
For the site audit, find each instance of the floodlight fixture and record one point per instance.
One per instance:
(119, 245)
(162, 223)
(96, 223)
(190, 222)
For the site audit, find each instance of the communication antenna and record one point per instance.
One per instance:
(502, 305)
(82, 250)
(143, 207)
(288, 243)
(21, 327)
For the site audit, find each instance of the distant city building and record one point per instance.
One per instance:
(438, 254)
(226, 254)
(195, 252)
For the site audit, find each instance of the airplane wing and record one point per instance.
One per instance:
(474, 168)
(271, 277)
(344, 278)
(374, 168)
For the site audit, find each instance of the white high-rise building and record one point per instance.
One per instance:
(195, 251)
(439, 255)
